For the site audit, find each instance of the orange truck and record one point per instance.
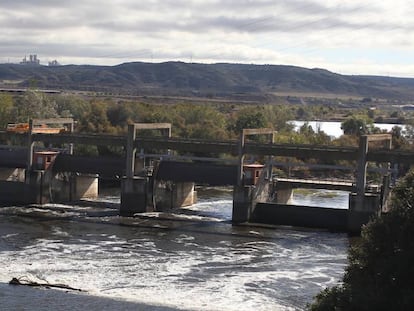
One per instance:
(24, 128)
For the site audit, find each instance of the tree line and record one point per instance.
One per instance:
(199, 121)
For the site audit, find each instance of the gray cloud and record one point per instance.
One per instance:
(125, 29)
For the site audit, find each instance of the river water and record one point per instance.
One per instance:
(333, 128)
(192, 259)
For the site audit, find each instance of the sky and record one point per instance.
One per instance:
(373, 37)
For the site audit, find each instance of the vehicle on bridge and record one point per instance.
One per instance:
(21, 128)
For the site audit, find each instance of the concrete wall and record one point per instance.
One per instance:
(284, 196)
(183, 194)
(134, 196)
(86, 186)
(301, 216)
(170, 195)
(372, 202)
(242, 204)
(12, 174)
(66, 187)
(16, 193)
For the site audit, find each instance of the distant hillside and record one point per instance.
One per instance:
(222, 80)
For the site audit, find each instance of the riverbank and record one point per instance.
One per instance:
(22, 298)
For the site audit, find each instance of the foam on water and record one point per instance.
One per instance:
(162, 264)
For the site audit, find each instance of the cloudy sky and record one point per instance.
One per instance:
(350, 37)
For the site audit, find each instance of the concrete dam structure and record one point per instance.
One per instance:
(162, 180)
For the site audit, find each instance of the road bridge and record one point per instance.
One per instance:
(227, 147)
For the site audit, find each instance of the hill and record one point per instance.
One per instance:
(221, 80)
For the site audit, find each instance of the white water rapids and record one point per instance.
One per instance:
(191, 260)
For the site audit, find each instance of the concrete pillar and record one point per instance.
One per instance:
(358, 213)
(361, 178)
(242, 203)
(30, 147)
(134, 196)
(241, 159)
(183, 194)
(84, 187)
(12, 174)
(356, 217)
(130, 151)
(39, 188)
(168, 195)
(283, 196)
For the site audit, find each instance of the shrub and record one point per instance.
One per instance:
(380, 273)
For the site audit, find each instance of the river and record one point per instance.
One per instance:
(192, 259)
(333, 128)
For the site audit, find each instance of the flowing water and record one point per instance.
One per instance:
(192, 259)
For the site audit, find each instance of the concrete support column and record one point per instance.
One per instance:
(242, 203)
(71, 130)
(84, 187)
(134, 198)
(358, 214)
(38, 192)
(241, 159)
(183, 194)
(361, 178)
(283, 196)
(12, 174)
(130, 152)
(30, 147)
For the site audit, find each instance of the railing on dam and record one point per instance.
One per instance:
(228, 146)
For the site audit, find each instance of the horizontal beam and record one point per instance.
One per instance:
(186, 145)
(229, 147)
(264, 131)
(152, 126)
(378, 137)
(53, 121)
(303, 151)
(291, 183)
(392, 156)
(89, 139)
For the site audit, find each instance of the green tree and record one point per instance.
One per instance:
(380, 273)
(249, 118)
(35, 105)
(356, 126)
(7, 114)
(197, 121)
(277, 117)
(70, 106)
(96, 120)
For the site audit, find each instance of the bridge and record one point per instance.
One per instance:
(139, 185)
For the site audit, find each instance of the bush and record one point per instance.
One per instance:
(380, 273)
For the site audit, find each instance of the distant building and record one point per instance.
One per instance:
(33, 60)
(54, 63)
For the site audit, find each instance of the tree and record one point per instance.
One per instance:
(356, 126)
(96, 120)
(6, 110)
(380, 273)
(196, 121)
(277, 117)
(249, 118)
(35, 105)
(70, 106)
